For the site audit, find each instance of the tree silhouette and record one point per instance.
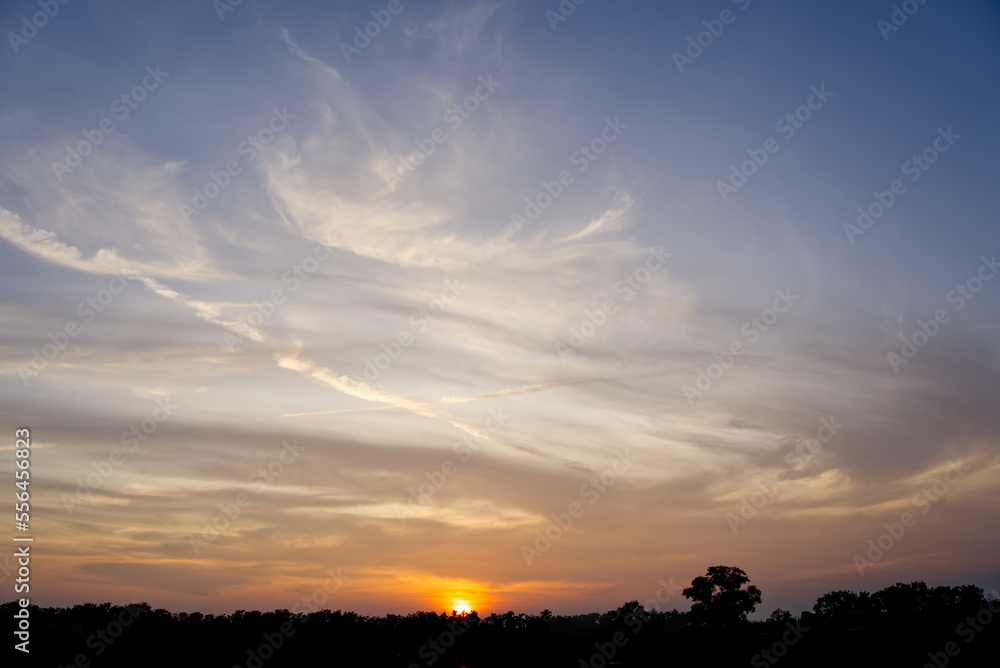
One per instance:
(846, 607)
(903, 624)
(901, 603)
(779, 616)
(719, 596)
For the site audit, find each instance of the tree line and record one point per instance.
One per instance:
(904, 624)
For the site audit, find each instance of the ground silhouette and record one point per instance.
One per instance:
(902, 625)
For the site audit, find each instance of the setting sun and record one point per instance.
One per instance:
(461, 606)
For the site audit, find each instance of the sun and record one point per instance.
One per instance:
(461, 606)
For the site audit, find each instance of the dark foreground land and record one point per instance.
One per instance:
(903, 625)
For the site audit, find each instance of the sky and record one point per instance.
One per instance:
(524, 304)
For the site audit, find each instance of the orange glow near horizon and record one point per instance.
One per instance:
(447, 594)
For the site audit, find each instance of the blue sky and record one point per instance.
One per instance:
(536, 323)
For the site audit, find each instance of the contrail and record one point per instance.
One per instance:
(540, 387)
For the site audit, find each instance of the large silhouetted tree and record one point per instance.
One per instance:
(720, 597)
